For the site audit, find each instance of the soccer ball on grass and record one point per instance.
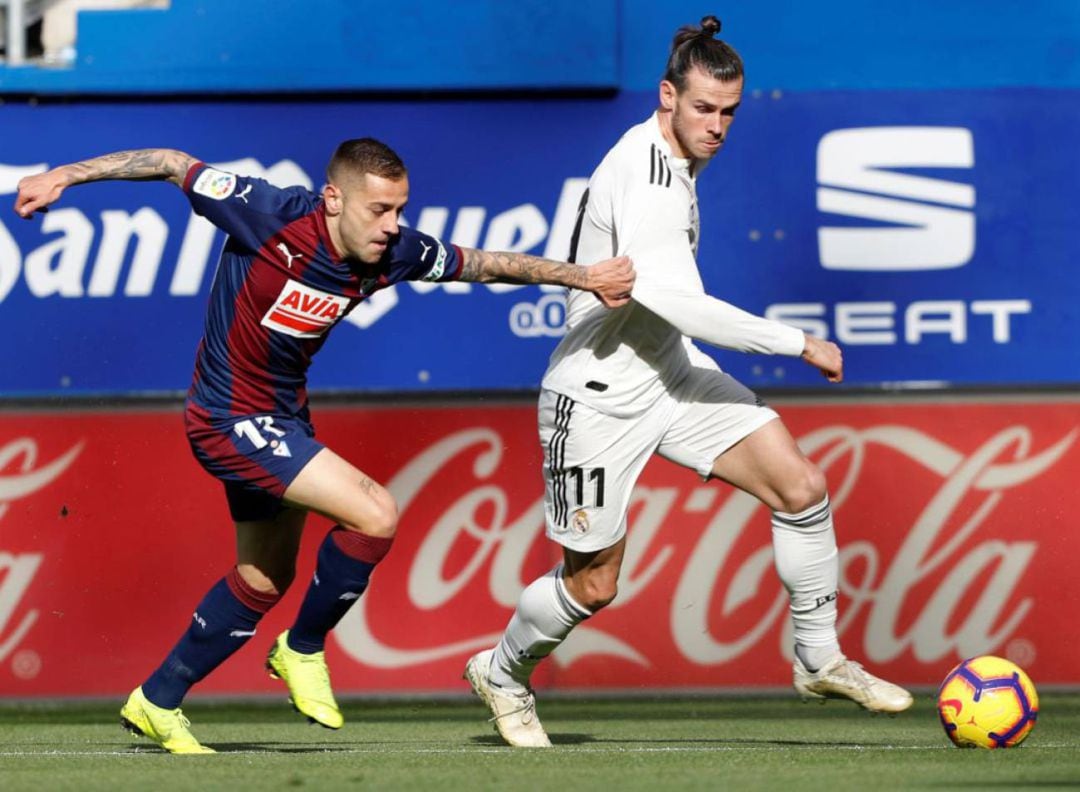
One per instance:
(987, 702)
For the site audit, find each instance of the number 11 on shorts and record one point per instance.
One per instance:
(595, 477)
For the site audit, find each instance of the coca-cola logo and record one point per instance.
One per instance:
(926, 552)
(20, 477)
(941, 548)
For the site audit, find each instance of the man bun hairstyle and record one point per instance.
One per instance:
(694, 47)
(364, 155)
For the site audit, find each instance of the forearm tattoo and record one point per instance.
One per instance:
(484, 267)
(140, 164)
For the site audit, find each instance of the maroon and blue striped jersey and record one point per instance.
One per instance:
(280, 288)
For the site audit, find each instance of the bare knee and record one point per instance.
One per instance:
(268, 579)
(379, 516)
(593, 591)
(805, 489)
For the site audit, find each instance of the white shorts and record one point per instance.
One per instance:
(592, 460)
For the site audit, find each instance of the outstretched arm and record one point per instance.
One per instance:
(609, 280)
(716, 322)
(36, 193)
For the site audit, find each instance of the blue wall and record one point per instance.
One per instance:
(332, 45)
(797, 45)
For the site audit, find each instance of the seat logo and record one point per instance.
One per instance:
(931, 220)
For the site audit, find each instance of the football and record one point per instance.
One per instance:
(987, 702)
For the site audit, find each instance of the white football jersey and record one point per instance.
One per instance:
(641, 202)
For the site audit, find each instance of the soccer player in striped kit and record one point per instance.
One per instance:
(294, 264)
(625, 384)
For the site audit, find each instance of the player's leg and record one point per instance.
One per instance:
(366, 518)
(223, 621)
(768, 464)
(591, 462)
(722, 430)
(551, 607)
(548, 610)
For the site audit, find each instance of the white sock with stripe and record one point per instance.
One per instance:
(545, 615)
(807, 561)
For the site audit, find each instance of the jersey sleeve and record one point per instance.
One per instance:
(248, 209)
(653, 226)
(420, 257)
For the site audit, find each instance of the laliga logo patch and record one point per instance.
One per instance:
(580, 522)
(304, 312)
(215, 184)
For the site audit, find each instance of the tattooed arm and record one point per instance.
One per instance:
(36, 193)
(609, 280)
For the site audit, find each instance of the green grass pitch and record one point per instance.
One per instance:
(657, 744)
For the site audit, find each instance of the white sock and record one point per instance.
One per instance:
(545, 615)
(807, 561)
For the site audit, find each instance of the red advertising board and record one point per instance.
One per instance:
(956, 522)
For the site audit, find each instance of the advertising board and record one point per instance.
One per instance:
(930, 233)
(954, 521)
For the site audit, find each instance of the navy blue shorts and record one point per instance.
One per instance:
(256, 457)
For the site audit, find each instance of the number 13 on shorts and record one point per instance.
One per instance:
(261, 432)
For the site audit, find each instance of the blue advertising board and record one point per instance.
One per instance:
(930, 233)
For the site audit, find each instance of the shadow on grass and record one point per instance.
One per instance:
(719, 742)
(268, 746)
(264, 746)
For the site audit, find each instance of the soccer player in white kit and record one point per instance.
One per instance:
(628, 383)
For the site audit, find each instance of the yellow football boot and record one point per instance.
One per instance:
(308, 680)
(168, 728)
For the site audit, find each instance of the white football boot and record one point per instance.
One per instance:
(514, 714)
(843, 678)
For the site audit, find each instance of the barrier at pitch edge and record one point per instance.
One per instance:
(110, 534)
(909, 227)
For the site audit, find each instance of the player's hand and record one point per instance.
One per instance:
(826, 357)
(38, 191)
(612, 281)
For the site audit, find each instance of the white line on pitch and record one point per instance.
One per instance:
(509, 752)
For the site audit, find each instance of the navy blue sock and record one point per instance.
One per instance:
(222, 623)
(346, 559)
